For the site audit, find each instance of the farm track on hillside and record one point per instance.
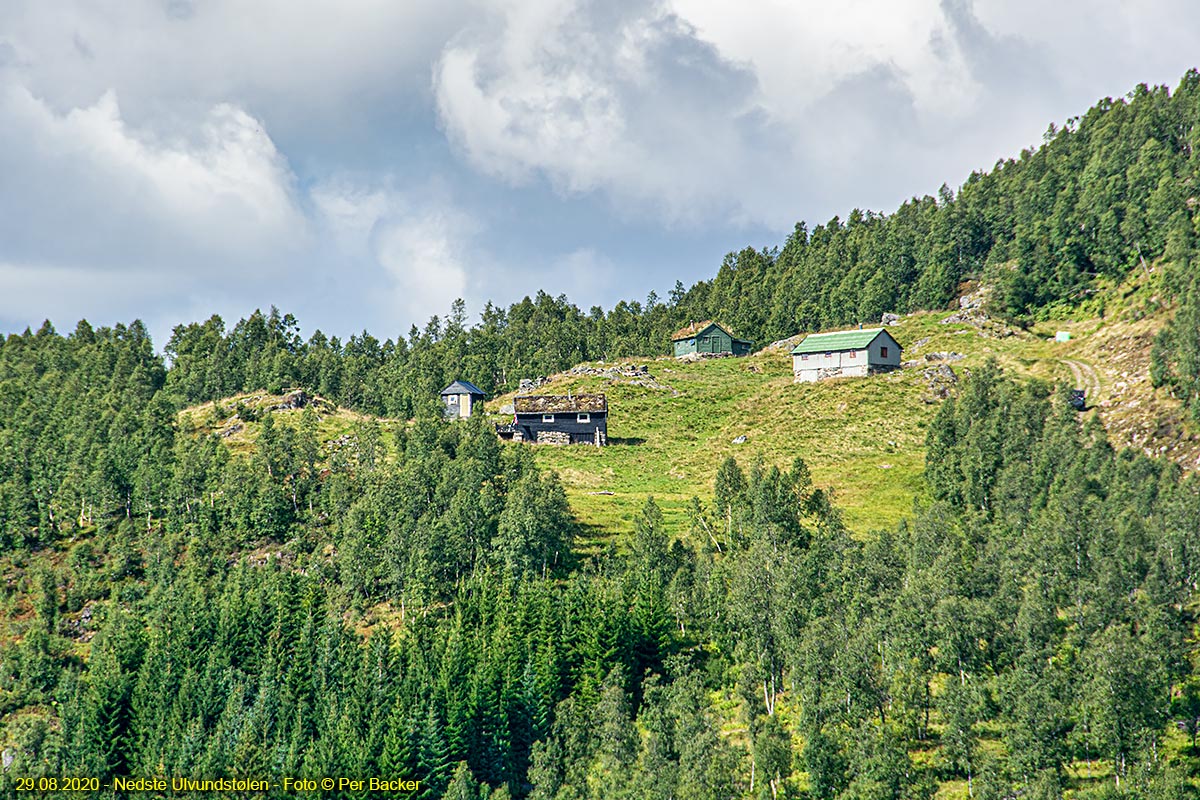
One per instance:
(1085, 377)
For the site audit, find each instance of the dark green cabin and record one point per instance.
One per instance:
(708, 338)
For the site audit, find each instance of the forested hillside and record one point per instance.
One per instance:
(1110, 191)
(405, 600)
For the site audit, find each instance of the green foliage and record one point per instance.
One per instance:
(534, 531)
(415, 608)
(1029, 619)
(1175, 359)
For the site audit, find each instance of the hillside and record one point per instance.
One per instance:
(672, 422)
(205, 576)
(236, 420)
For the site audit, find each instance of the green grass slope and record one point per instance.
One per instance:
(237, 421)
(862, 438)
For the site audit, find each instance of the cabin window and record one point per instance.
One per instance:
(828, 355)
(804, 357)
(854, 354)
(583, 417)
(547, 418)
(452, 399)
(883, 352)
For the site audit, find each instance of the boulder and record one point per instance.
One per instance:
(292, 400)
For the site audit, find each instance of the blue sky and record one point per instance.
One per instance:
(362, 164)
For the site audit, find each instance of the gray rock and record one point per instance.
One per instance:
(939, 380)
(974, 299)
(787, 343)
(530, 384)
(633, 374)
(292, 400)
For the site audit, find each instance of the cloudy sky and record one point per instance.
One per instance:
(361, 163)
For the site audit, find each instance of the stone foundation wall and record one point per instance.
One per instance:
(553, 437)
(811, 375)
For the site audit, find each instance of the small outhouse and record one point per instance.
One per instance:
(460, 399)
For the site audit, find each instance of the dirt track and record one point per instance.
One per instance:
(1085, 377)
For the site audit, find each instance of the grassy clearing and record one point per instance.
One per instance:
(862, 438)
(336, 427)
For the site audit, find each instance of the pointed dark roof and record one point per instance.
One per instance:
(463, 387)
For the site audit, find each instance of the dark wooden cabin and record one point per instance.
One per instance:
(559, 419)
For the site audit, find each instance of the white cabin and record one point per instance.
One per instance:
(844, 354)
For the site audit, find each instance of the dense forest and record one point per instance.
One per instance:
(414, 606)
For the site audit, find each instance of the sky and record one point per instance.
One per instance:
(362, 163)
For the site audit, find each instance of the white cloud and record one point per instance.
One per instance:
(103, 219)
(297, 62)
(800, 50)
(1094, 49)
(695, 110)
(98, 185)
(415, 250)
(768, 111)
(614, 96)
(423, 255)
(179, 152)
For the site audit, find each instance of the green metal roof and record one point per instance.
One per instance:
(838, 340)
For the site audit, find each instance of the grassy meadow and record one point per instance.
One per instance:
(863, 439)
